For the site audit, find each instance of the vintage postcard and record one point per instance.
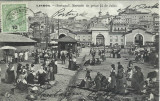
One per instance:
(105, 50)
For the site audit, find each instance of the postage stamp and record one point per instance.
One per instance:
(14, 18)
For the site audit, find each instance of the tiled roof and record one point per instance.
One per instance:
(4, 37)
(67, 39)
(141, 29)
(83, 32)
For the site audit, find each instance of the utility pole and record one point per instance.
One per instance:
(47, 33)
(58, 28)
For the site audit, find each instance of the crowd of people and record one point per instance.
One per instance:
(147, 57)
(115, 53)
(29, 74)
(18, 56)
(45, 54)
(94, 60)
(119, 82)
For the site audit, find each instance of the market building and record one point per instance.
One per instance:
(67, 43)
(21, 43)
(138, 36)
(62, 32)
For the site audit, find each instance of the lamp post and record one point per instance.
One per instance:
(70, 55)
(46, 30)
(104, 48)
(40, 38)
(58, 28)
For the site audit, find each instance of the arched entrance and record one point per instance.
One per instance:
(62, 35)
(100, 40)
(139, 39)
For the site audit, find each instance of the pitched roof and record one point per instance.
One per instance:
(4, 37)
(140, 29)
(83, 32)
(67, 39)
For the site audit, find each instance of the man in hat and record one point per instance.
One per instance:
(16, 57)
(119, 65)
(63, 57)
(137, 79)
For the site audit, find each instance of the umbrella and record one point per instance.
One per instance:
(53, 42)
(8, 47)
(139, 49)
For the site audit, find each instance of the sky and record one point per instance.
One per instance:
(92, 9)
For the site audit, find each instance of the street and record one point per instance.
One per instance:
(62, 89)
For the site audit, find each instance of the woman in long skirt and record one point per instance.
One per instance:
(113, 78)
(10, 74)
(52, 77)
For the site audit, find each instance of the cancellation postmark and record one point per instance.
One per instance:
(14, 18)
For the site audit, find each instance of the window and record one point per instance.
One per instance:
(110, 44)
(116, 40)
(83, 39)
(121, 40)
(111, 39)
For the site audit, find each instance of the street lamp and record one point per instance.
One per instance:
(46, 30)
(70, 55)
(40, 38)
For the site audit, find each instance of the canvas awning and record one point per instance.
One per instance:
(14, 38)
(8, 47)
(67, 39)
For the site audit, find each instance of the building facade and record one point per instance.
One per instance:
(138, 37)
(84, 37)
(127, 28)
